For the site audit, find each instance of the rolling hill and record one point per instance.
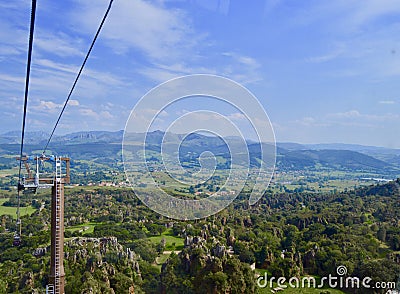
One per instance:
(103, 146)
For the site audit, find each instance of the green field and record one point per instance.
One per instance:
(86, 228)
(172, 243)
(161, 259)
(8, 172)
(13, 210)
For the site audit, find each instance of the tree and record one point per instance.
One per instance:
(378, 271)
(146, 249)
(161, 246)
(121, 283)
(381, 234)
(215, 283)
(291, 237)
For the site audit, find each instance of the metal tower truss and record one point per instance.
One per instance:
(58, 214)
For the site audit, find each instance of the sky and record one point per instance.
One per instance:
(324, 71)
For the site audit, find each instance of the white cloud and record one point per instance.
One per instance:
(241, 68)
(59, 44)
(104, 77)
(370, 9)
(53, 80)
(106, 115)
(12, 103)
(167, 39)
(149, 113)
(326, 57)
(88, 112)
(158, 74)
(73, 102)
(145, 26)
(309, 121)
(351, 118)
(242, 59)
(347, 17)
(52, 67)
(49, 105)
(6, 50)
(360, 34)
(355, 115)
(12, 78)
(164, 72)
(36, 124)
(100, 115)
(13, 38)
(11, 4)
(46, 106)
(236, 116)
(50, 64)
(389, 102)
(347, 114)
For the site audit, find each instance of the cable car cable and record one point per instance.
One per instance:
(28, 71)
(79, 74)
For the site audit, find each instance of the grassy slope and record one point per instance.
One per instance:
(170, 240)
(87, 228)
(13, 210)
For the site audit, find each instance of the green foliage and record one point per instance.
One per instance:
(145, 248)
(287, 234)
(124, 232)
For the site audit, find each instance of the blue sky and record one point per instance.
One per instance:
(325, 71)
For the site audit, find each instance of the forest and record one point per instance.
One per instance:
(115, 244)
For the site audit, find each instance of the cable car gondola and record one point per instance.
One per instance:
(31, 183)
(17, 240)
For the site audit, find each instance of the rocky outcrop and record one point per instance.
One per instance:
(190, 241)
(309, 259)
(219, 250)
(395, 256)
(27, 280)
(99, 252)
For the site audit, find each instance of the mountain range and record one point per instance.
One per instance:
(92, 145)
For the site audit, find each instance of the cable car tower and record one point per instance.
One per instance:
(56, 183)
